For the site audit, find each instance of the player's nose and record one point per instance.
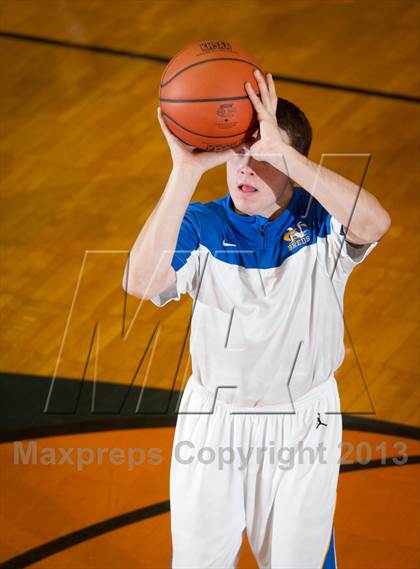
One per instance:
(245, 169)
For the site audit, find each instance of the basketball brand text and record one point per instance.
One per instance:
(215, 46)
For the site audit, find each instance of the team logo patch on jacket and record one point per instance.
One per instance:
(297, 235)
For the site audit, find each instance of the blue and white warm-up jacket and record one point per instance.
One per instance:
(268, 297)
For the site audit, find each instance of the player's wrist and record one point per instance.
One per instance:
(184, 180)
(287, 159)
(187, 171)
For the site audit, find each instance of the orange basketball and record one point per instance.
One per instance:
(203, 98)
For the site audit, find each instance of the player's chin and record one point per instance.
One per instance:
(248, 206)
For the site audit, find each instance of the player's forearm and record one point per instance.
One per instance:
(149, 265)
(356, 209)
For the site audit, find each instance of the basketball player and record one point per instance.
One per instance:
(257, 442)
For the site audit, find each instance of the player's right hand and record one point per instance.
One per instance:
(187, 156)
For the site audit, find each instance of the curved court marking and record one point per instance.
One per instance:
(69, 540)
(22, 395)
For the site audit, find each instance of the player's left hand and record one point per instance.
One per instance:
(272, 140)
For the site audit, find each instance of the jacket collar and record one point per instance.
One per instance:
(251, 223)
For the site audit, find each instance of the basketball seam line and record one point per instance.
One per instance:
(208, 61)
(203, 100)
(209, 135)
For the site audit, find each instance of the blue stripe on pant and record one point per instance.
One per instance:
(330, 561)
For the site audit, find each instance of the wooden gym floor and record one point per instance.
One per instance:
(83, 164)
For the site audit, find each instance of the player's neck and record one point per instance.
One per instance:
(282, 202)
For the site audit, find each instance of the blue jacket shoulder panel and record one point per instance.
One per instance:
(239, 239)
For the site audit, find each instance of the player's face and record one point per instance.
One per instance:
(256, 186)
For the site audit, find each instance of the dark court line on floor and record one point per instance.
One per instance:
(22, 414)
(89, 532)
(163, 59)
(156, 421)
(79, 536)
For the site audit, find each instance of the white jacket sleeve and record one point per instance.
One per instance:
(185, 260)
(338, 255)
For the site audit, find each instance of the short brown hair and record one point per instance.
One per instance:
(293, 120)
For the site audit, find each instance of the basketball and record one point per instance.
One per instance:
(203, 97)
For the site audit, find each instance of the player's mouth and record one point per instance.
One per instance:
(246, 188)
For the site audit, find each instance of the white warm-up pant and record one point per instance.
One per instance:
(223, 482)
